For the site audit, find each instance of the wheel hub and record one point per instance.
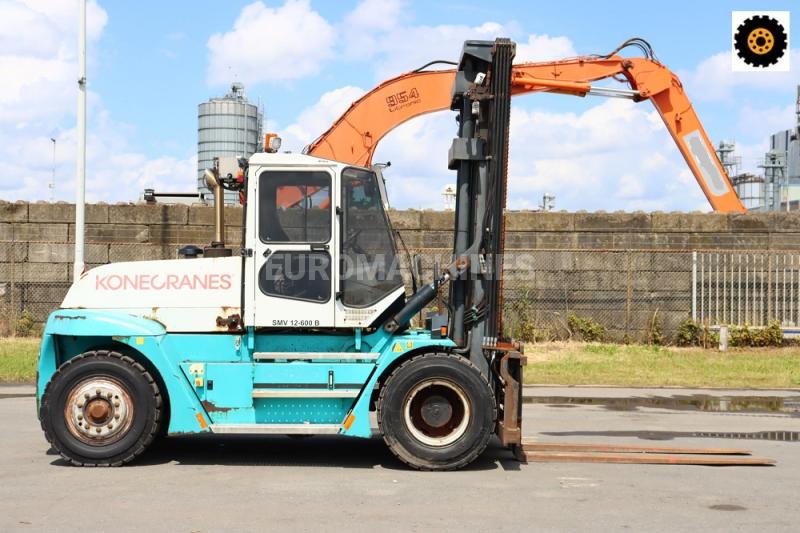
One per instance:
(760, 41)
(98, 411)
(437, 412)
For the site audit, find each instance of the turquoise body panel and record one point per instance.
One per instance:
(210, 378)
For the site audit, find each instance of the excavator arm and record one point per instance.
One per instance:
(354, 137)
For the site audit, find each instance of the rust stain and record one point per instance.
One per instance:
(154, 316)
(211, 408)
(229, 320)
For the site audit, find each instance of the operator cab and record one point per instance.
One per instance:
(323, 251)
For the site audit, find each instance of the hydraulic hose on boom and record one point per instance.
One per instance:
(354, 137)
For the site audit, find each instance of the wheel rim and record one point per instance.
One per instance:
(98, 411)
(437, 412)
(760, 41)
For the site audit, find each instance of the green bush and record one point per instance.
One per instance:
(26, 326)
(655, 332)
(772, 335)
(588, 329)
(690, 333)
(521, 322)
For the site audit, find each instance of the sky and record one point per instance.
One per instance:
(150, 63)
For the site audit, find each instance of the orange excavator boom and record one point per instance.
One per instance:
(354, 137)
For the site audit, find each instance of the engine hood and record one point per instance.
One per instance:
(182, 294)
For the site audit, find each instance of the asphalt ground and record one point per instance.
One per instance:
(337, 484)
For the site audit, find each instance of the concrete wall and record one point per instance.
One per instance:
(617, 231)
(561, 262)
(154, 228)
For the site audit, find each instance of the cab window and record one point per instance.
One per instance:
(370, 270)
(294, 206)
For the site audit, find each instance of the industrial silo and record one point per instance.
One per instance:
(782, 167)
(227, 126)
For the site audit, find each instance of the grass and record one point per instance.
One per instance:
(567, 363)
(571, 363)
(18, 359)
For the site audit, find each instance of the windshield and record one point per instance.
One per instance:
(370, 270)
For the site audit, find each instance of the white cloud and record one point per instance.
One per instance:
(317, 118)
(403, 48)
(544, 48)
(375, 15)
(114, 172)
(38, 56)
(408, 47)
(363, 28)
(34, 28)
(37, 102)
(713, 79)
(761, 122)
(630, 186)
(615, 155)
(271, 44)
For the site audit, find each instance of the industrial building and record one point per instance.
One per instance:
(226, 126)
(778, 187)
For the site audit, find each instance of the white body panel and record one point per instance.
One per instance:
(190, 295)
(279, 312)
(185, 295)
(265, 311)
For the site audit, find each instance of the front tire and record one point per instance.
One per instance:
(436, 412)
(101, 408)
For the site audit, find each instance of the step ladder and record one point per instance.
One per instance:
(316, 356)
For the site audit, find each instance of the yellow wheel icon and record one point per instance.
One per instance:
(760, 41)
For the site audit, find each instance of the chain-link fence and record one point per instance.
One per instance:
(628, 295)
(632, 295)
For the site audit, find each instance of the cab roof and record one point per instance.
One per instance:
(292, 159)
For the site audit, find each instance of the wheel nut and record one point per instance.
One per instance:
(80, 417)
(110, 426)
(116, 404)
(86, 395)
(80, 405)
(116, 417)
(109, 395)
(98, 430)
(98, 391)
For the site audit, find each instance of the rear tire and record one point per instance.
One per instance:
(101, 408)
(436, 412)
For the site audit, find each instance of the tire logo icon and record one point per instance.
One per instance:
(760, 41)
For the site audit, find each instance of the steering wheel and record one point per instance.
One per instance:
(351, 241)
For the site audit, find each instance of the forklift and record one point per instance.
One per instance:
(309, 330)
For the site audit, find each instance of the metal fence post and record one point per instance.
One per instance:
(628, 296)
(770, 290)
(694, 286)
(12, 311)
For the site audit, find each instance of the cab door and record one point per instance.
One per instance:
(294, 267)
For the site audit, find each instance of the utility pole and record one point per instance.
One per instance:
(80, 189)
(53, 176)
(548, 202)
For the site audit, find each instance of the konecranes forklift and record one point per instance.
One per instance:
(226, 344)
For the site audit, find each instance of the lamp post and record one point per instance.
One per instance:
(80, 189)
(53, 176)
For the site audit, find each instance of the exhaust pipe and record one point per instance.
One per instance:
(217, 247)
